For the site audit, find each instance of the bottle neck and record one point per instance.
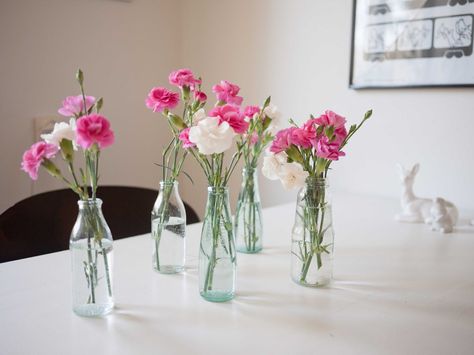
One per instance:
(218, 191)
(90, 203)
(314, 182)
(248, 171)
(166, 184)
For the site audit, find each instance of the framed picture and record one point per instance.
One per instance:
(412, 43)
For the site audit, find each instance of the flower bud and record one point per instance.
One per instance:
(67, 150)
(51, 168)
(80, 77)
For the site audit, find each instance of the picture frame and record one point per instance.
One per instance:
(412, 43)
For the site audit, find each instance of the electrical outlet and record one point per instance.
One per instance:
(45, 124)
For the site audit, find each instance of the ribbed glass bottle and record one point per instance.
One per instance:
(313, 235)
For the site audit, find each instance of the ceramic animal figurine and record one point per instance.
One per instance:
(439, 219)
(416, 209)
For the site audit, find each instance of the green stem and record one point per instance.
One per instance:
(162, 217)
(314, 205)
(107, 271)
(90, 269)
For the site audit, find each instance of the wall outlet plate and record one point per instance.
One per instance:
(45, 124)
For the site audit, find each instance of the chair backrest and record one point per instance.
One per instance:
(42, 223)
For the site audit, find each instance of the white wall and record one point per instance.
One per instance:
(297, 51)
(123, 47)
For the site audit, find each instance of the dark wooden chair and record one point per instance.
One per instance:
(42, 223)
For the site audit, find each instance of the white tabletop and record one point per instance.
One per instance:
(398, 289)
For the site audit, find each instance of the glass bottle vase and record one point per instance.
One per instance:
(168, 229)
(91, 247)
(248, 216)
(217, 257)
(312, 246)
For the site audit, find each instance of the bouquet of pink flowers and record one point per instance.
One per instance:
(301, 156)
(86, 129)
(168, 214)
(308, 151)
(207, 136)
(89, 130)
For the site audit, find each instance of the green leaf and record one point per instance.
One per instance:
(292, 122)
(329, 132)
(266, 123)
(267, 102)
(294, 153)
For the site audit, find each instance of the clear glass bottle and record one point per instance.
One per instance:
(217, 257)
(168, 230)
(248, 216)
(91, 247)
(312, 247)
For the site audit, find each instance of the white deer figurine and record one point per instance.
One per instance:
(416, 209)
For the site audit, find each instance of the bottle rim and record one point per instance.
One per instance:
(90, 202)
(169, 183)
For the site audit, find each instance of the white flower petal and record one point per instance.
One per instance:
(271, 165)
(61, 130)
(292, 175)
(211, 137)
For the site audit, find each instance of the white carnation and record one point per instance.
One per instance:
(211, 137)
(272, 112)
(62, 130)
(292, 175)
(272, 164)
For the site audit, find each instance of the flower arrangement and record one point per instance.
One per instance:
(300, 157)
(207, 137)
(86, 129)
(165, 213)
(89, 130)
(248, 227)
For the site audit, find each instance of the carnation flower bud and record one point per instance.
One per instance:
(80, 77)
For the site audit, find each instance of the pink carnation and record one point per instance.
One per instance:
(250, 111)
(184, 137)
(34, 156)
(200, 96)
(74, 105)
(330, 118)
(300, 137)
(310, 128)
(160, 98)
(183, 77)
(328, 150)
(282, 140)
(94, 129)
(227, 92)
(232, 115)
